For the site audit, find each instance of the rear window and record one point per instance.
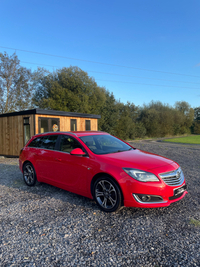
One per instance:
(46, 142)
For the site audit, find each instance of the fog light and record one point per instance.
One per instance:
(145, 198)
(148, 199)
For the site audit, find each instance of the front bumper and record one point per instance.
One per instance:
(152, 194)
(166, 202)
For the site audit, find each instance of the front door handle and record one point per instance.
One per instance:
(57, 159)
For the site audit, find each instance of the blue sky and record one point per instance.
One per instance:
(151, 49)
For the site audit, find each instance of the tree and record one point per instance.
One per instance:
(71, 89)
(108, 114)
(125, 126)
(187, 116)
(68, 89)
(197, 114)
(183, 107)
(196, 124)
(161, 120)
(15, 84)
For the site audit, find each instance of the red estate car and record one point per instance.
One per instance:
(100, 166)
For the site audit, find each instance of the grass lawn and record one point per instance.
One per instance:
(194, 139)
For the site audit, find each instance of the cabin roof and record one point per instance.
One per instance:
(51, 112)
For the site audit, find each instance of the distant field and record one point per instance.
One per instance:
(194, 139)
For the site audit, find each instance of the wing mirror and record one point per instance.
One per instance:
(77, 152)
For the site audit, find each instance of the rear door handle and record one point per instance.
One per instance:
(57, 159)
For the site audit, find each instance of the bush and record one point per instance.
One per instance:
(196, 128)
(140, 130)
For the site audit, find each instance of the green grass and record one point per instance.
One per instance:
(193, 139)
(195, 222)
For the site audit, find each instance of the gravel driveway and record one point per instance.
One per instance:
(47, 226)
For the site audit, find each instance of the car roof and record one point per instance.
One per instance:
(76, 133)
(87, 133)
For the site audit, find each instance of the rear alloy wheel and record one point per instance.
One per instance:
(29, 174)
(107, 194)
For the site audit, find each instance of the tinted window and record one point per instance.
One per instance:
(68, 144)
(47, 142)
(104, 144)
(36, 142)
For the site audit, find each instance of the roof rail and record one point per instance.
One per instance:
(55, 132)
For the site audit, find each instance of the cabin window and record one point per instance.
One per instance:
(27, 134)
(73, 125)
(48, 124)
(44, 126)
(87, 125)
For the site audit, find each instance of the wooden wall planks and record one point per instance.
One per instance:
(12, 134)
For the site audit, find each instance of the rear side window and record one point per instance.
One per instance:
(36, 142)
(46, 142)
(49, 142)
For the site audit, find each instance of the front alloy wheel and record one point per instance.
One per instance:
(107, 194)
(29, 174)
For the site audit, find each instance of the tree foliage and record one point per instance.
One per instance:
(196, 123)
(15, 84)
(71, 89)
(197, 114)
(161, 120)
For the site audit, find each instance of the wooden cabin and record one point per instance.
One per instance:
(17, 128)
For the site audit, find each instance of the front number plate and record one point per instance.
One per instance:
(180, 190)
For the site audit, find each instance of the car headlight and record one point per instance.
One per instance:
(141, 176)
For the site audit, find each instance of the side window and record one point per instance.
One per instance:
(49, 142)
(68, 144)
(36, 142)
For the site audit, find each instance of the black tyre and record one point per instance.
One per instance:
(29, 174)
(107, 194)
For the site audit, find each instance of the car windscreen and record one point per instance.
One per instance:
(104, 144)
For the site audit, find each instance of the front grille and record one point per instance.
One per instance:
(173, 178)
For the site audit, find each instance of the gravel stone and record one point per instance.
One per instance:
(47, 226)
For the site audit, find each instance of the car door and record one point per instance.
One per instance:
(70, 170)
(45, 157)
